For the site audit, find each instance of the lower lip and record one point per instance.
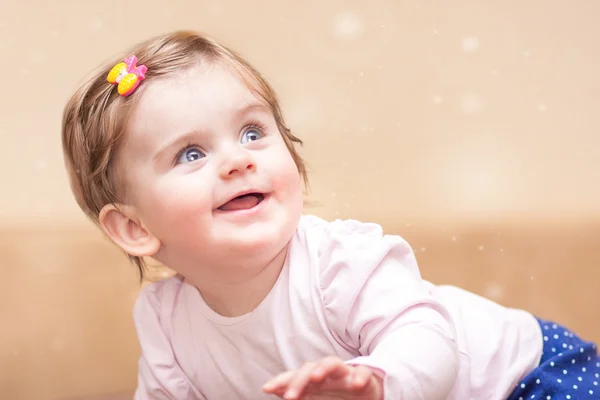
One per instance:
(247, 211)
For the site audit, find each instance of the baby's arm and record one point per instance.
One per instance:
(378, 305)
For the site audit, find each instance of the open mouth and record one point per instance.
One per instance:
(243, 202)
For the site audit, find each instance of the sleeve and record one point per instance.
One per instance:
(377, 304)
(159, 375)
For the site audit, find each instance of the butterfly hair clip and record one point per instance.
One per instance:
(127, 75)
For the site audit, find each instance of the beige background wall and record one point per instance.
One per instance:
(470, 127)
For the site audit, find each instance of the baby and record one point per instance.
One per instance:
(179, 151)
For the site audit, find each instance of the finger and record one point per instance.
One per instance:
(355, 380)
(360, 378)
(279, 392)
(279, 382)
(330, 367)
(298, 382)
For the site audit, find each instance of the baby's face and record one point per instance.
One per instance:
(208, 171)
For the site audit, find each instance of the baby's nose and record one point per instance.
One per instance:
(236, 164)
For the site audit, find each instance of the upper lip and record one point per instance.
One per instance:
(241, 193)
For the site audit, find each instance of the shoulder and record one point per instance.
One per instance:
(348, 251)
(365, 277)
(349, 238)
(321, 231)
(159, 373)
(157, 298)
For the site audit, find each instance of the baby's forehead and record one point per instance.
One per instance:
(195, 87)
(194, 99)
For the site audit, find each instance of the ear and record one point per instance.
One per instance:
(123, 227)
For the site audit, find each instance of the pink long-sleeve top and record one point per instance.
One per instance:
(347, 290)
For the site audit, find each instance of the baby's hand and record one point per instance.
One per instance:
(329, 378)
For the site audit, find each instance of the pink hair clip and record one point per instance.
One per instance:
(127, 75)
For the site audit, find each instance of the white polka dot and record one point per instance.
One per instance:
(590, 391)
(568, 396)
(545, 327)
(573, 361)
(545, 338)
(521, 398)
(554, 326)
(555, 336)
(548, 397)
(597, 375)
(579, 379)
(533, 396)
(581, 350)
(552, 363)
(574, 386)
(559, 380)
(560, 354)
(566, 333)
(537, 381)
(583, 369)
(522, 386)
(564, 371)
(554, 349)
(564, 345)
(595, 383)
(598, 364)
(570, 347)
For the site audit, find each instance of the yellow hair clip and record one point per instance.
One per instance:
(127, 75)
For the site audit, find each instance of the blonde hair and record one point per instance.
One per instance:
(95, 118)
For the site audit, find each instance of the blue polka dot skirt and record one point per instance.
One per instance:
(569, 368)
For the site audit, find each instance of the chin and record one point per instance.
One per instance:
(258, 237)
(264, 237)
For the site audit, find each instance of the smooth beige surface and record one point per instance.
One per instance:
(470, 120)
(66, 318)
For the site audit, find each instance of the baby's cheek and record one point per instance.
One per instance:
(186, 201)
(179, 199)
(286, 177)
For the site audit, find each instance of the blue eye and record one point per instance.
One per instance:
(189, 155)
(251, 135)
